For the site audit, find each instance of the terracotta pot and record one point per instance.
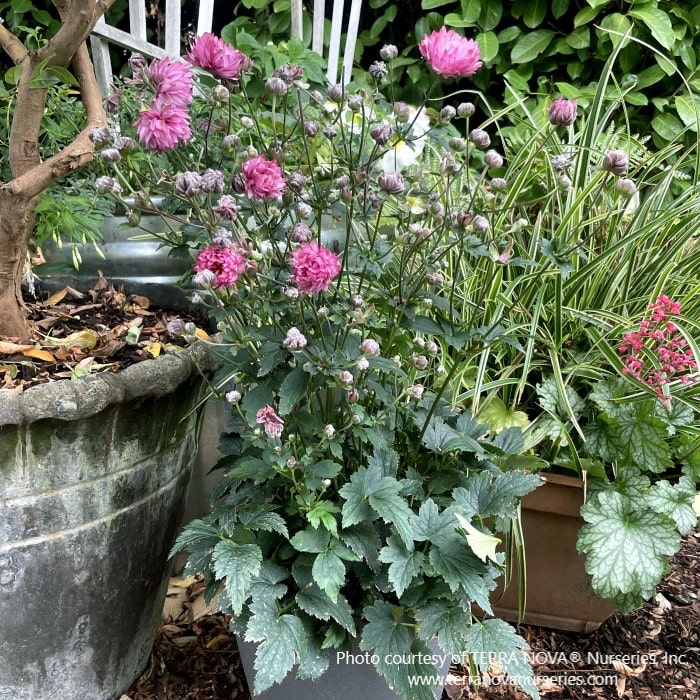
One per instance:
(558, 592)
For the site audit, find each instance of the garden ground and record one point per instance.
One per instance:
(651, 654)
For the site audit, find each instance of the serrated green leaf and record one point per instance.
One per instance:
(486, 495)
(404, 565)
(641, 437)
(461, 569)
(438, 435)
(385, 460)
(198, 532)
(322, 514)
(433, 526)
(497, 639)
(292, 390)
(439, 619)
(262, 517)
(312, 600)
(364, 541)
(237, 564)
(283, 642)
(329, 573)
(386, 636)
(627, 550)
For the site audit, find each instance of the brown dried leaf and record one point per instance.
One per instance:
(57, 297)
(7, 348)
(38, 354)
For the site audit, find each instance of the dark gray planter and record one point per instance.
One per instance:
(93, 479)
(344, 680)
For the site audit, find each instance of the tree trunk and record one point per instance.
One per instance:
(16, 225)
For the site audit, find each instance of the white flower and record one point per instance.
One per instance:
(362, 363)
(417, 391)
(329, 431)
(369, 347)
(402, 154)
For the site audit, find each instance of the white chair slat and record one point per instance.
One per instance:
(136, 38)
(137, 19)
(172, 27)
(334, 45)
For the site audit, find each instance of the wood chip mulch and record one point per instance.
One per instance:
(650, 654)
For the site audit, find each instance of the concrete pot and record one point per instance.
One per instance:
(559, 592)
(93, 479)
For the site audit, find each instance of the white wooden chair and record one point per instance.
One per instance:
(136, 39)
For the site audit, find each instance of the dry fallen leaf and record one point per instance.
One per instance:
(56, 297)
(38, 354)
(7, 348)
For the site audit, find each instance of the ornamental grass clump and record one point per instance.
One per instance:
(408, 300)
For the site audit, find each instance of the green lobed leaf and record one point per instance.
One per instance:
(329, 573)
(433, 526)
(497, 640)
(438, 618)
(675, 501)
(486, 495)
(627, 550)
(312, 600)
(404, 565)
(237, 564)
(263, 517)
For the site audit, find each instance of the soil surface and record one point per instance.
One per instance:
(650, 654)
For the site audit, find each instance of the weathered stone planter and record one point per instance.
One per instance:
(559, 592)
(93, 478)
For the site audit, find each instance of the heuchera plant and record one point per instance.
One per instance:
(404, 309)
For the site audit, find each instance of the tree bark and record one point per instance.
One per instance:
(16, 225)
(31, 175)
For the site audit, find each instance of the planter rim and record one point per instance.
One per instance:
(69, 399)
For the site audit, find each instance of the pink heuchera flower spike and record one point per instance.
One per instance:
(314, 267)
(450, 54)
(213, 54)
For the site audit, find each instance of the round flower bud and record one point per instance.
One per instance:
(447, 113)
(559, 162)
(330, 132)
(392, 182)
(457, 144)
(294, 340)
(493, 159)
(188, 184)
(346, 194)
(417, 390)
(110, 155)
(311, 128)
(99, 135)
(276, 86)
(247, 122)
(388, 52)
(352, 396)
(362, 363)
(291, 293)
(499, 184)
(431, 347)
(231, 141)
(381, 134)
(196, 298)
(327, 482)
(346, 379)
(303, 210)
(112, 102)
(296, 180)
(480, 224)
(175, 326)
(212, 181)
(615, 162)
(355, 103)
(562, 112)
(419, 361)
(226, 207)
(220, 94)
(301, 233)
(137, 62)
(369, 347)
(626, 187)
(402, 112)
(378, 70)
(464, 218)
(106, 184)
(222, 238)
(335, 93)
(316, 97)
(564, 182)
(205, 278)
(233, 397)
(479, 138)
(238, 183)
(465, 109)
